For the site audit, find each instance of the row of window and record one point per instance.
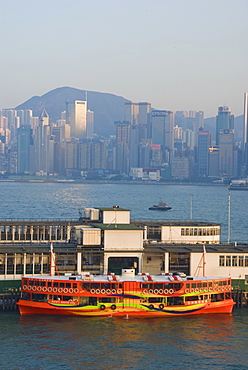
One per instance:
(235, 261)
(52, 284)
(199, 231)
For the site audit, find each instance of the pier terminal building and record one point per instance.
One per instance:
(106, 240)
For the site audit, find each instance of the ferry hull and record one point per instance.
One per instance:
(34, 308)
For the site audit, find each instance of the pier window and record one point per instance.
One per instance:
(195, 232)
(182, 231)
(234, 261)
(228, 261)
(2, 264)
(221, 260)
(246, 261)
(241, 261)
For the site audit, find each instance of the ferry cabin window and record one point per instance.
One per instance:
(175, 301)
(205, 285)
(108, 299)
(222, 261)
(182, 231)
(26, 296)
(62, 285)
(234, 261)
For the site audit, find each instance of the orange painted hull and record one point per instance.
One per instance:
(34, 308)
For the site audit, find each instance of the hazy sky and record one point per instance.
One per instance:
(175, 54)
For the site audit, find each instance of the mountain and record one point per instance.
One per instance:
(107, 108)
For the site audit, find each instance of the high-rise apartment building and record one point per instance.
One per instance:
(204, 142)
(163, 132)
(25, 149)
(122, 146)
(224, 120)
(226, 153)
(76, 112)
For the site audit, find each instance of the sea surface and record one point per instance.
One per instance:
(65, 200)
(213, 341)
(195, 342)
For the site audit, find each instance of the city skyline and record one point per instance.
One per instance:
(168, 53)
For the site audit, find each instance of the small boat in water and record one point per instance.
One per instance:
(161, 206)
(239, 185)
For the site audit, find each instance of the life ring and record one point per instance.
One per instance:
(219, 289)
(113, 307)
(155, 291)
(60, 290)
(102, 307)
(24, 287)
(70, 290)
(161, 306)
(150, 291)
(29, 287)
(108, 291)
(55, 290)
(151, 306)
(223, 288)
(44, 289)
(113, 291)
(76, 290)
(192, 290)
(161, 291)
(38, 288)
(210, 289)
(50, 289)
(103, 291)
(66, 290)
(34, 288)
(92, 291)
(119, 291)
(166, 291)
(98, 291)
(196, 290)
(145, 291)
(171, 291)
(187, 290)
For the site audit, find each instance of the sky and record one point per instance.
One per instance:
(175, 54)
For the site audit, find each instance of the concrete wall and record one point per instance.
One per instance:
(123, 239)
(173, 234)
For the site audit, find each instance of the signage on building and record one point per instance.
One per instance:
(203, 132)
(156, 147)
(158, 113)
(224, 109)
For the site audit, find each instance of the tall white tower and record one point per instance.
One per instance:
(76, 117)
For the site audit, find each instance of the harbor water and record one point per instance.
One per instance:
(63, 201)
(51, 342)
(195, 342)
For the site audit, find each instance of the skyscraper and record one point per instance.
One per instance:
(76, 117)
(224, 120)
(226, 153)
(204, 142)
(122, 146)
(24, 151)
(245, 133)
(163, 131)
